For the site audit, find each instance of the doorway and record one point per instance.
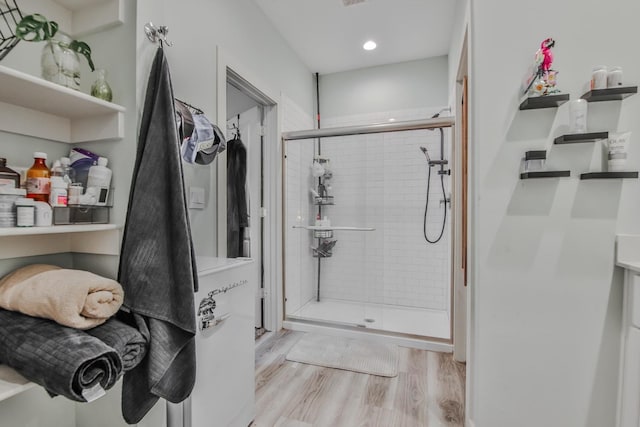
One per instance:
(250, 117)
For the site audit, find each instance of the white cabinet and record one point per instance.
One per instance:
(628, 257)
(629, 402)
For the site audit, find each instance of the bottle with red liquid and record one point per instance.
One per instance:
(39, 178)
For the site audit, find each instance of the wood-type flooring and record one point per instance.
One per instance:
(428, 391)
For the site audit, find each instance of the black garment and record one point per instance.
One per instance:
(237, 215)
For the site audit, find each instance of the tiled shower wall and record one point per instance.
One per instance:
(379, 181)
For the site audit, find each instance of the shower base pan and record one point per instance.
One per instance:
(418, 327)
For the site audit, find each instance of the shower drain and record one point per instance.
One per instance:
(369, 320)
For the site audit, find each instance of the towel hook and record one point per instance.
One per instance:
(157, 34)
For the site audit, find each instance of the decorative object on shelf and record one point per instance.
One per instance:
(614, 77)
(617, 145)
(533, 161)
(9, 12)
(60, 62)
(541, 79)
(578, 116)
(100, 88)
(599, 77)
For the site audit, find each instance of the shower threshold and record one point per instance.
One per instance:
(414, 323)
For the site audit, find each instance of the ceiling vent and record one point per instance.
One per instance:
(352, 2)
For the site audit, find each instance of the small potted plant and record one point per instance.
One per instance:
(60, 61)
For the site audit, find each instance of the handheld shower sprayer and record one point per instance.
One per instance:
(426, 153)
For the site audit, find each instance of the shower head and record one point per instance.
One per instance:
(426, 153)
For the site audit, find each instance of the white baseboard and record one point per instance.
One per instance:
(470, 423)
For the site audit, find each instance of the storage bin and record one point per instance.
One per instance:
(80, 214)
(8, 197)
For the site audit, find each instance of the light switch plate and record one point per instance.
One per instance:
(196, 198)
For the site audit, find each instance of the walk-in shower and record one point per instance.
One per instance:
(377, 274)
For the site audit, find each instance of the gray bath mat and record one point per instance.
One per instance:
(345, 353)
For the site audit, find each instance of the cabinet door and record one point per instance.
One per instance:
(630, 408)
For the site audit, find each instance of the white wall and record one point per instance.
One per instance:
(547, 295)
(402, 86)
(240, 30)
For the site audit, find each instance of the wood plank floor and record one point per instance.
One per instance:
(428, 391)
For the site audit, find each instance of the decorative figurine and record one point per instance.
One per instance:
(542, 79)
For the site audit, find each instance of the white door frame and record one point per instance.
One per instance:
(272, 241)
(459, 275)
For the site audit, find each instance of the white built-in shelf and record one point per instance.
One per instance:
(331, 227)
(91, 16)
(55, 229)
(33, 106)
(12, 383)
(101, 239)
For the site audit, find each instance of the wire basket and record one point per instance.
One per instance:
(10, 16)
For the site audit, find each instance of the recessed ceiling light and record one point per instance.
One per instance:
(370, 45)
(392, 119)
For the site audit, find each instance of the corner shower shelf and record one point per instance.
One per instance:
(545, 174)
(35, 107)
(101, 239)
(328, 228)
(12, 383)
(545, 101)
(608, 175)
(323, 201)
(581, 137)
(611, 94)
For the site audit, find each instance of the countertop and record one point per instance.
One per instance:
(628, 251)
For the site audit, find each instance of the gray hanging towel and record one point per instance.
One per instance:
(157, 262)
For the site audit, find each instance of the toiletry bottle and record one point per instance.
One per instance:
(38, 178)
(8, 177)
(58, 193)
(25, 212)
(100, 174)
(68, 173)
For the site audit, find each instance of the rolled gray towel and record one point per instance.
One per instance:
(65, 361)
(130, 345)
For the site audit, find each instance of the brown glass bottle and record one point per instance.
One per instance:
(38, 178)
(8, 176)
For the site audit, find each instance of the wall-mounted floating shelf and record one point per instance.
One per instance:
(581, 137)
(545, 174)
(323, 200)
(608, 175)
(545, 101)
(611, 94)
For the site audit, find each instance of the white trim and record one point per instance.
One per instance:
(470, 423)
(272, 192)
